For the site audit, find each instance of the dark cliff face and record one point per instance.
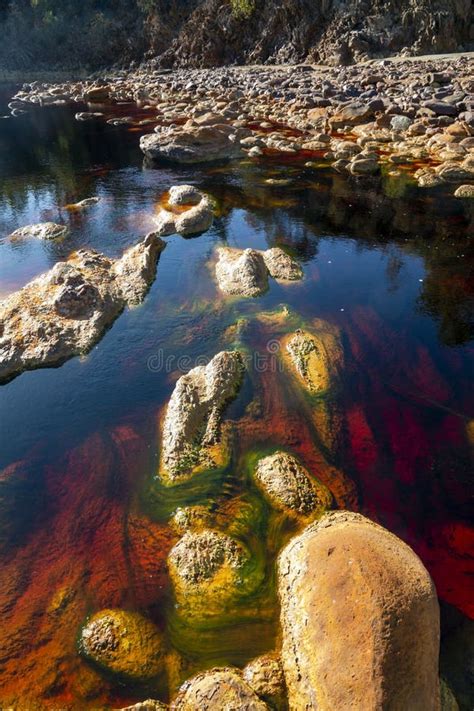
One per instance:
(335, 31)
(203, 33)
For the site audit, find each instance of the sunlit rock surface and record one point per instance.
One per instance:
(360, 619)
(124, 643)
(246, 272)
(43, 230)
(193, 438)
(64, 311)
(217, 689)
(265, 676)
(289, 487)
(195, 213)
(192, 143)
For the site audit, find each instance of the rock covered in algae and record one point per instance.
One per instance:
(265, 676)
(448, 700)
(289, 487)
(209, 569)
(193, 438)
(43, 230)
(245, 272)
(123, 643)
(197, 217)
(63, 312)
(217, 689)
(316, 357)
(360, 619)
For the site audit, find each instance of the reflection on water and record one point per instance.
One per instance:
(85, 525)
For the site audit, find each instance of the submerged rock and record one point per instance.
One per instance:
(209, 570)
(316, 357)
(245, 272)
(83, 204)
(217, 689)
(63, 313)
(43, 230)
(265, 676)
(289, 487)
(360, 619)
(191, 143)
(241, 272)
(193, 439)
(123, 643)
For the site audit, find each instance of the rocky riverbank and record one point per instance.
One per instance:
(415, 116)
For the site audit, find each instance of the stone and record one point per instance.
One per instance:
(241, 272)
(184, 195)
(464, 191)
(316, 358)
(217, 689)
(123, 643)
(441, 108)
(265, 676)
(289, 487)
(448, 700)
(43, 230)
(63, 312)
(193, 440)
(97, 93)
(192, 144)
(359, 617)
(209, 570)
(400, 123)
(281, 266)
(352, 114)
(364, 166)
(197, 219)
(148, 705)
(83, 204)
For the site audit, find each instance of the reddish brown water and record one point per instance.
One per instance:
(85, 524)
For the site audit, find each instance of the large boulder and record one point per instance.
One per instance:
(217, 690)
(191, 143)
(194, 439)
(209, 570)
(123, 643)
(315, 357)
(360, 619)
(289, 487)
(64, 311)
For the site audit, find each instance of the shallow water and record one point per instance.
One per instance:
(391, 265)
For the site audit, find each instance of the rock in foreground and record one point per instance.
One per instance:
(193, 438)
(63, 313)
(217, 689)
(265, 676)
(124, 643)
(360, 619)
(289, 487)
